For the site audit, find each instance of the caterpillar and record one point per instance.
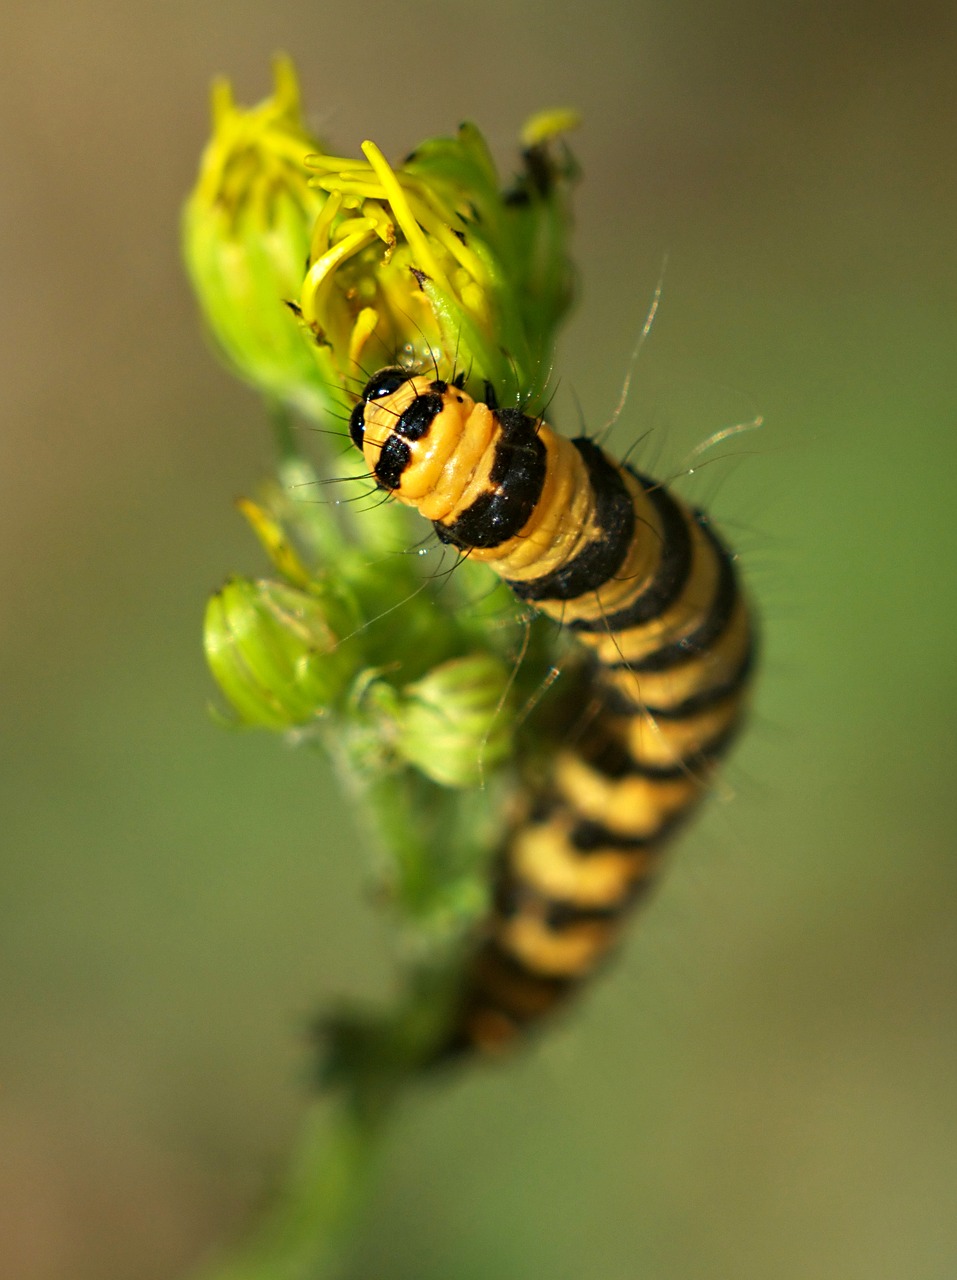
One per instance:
(645, 583)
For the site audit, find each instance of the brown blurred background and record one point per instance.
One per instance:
(765, 1085)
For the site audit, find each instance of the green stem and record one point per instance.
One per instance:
(304, 1235)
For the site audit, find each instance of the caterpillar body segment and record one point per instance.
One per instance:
(647, 585)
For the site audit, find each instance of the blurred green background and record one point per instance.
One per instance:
(765, 1084)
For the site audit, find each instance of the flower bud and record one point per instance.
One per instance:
(246, 234)
(454, 723)
(282, 657)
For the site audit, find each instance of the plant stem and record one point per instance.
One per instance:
(304, 1235)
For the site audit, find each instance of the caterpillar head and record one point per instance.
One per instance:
(407, 426)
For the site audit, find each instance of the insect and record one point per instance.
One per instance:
(644, 582)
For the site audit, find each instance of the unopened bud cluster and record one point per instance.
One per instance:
(312, 270)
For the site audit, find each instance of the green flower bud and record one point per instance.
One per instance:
(246, 234)
(454, 724)
(282, 657)
(396, 618)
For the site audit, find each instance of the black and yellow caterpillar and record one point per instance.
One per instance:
(643, 580)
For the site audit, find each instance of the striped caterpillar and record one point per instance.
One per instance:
(646, 584)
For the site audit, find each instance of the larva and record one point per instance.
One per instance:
(644, 582)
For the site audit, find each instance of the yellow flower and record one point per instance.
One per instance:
(314, 270)
(432, 264)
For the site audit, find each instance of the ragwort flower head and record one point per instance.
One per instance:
(428, 263)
